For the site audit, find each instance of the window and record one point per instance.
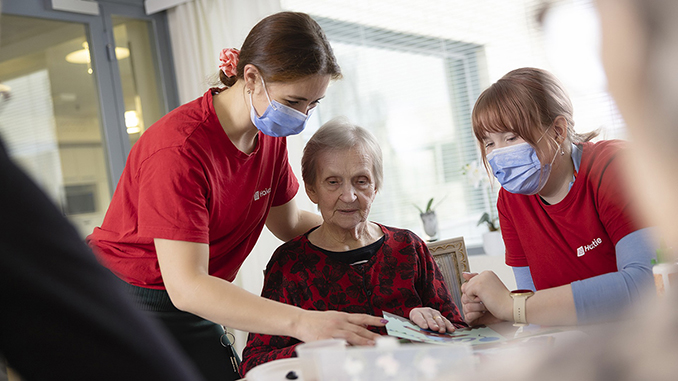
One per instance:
(412, 74)
(415, 93)
(64, 88)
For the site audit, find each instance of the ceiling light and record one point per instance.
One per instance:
(131, 119)
(82, 56)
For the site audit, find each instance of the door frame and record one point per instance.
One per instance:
(99, 32)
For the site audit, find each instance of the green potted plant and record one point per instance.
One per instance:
(492, 223)
(429, 219)
(493, 243)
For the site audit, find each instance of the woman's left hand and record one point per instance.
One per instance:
(428, 318)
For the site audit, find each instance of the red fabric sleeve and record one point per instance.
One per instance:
(288, 185)
(173, 197)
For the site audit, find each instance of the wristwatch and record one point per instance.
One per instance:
(519, 298)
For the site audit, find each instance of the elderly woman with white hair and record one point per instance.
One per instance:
(349, 263)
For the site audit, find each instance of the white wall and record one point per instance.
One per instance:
(479, 263)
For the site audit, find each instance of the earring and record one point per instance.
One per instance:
(562, 152)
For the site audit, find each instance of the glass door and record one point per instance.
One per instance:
(50, 119)
(76, 92)
(143, 102)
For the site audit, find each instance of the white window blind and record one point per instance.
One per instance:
(28, 130)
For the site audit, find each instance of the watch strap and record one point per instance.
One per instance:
(519, 302)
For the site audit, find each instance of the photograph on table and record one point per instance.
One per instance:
(403, 328)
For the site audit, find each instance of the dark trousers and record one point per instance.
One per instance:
(199, 338)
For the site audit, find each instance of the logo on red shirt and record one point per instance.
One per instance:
(261, 193)
(581, 250)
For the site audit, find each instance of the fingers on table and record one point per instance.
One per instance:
(472, 317)
(443, 324)
(356, 335)
(351, 327)
(465, 298)
(449, 326)
(474, 307)
(358, 338)
(366, 320)
(437, 322)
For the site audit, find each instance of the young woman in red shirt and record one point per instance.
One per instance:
(577, 253)
(201, 183)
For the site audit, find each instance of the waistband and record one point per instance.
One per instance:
(149, 299)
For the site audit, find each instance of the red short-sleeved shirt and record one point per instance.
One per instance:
(574, 239)
(185, 180)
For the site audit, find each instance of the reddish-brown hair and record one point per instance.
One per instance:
(527, 102)
(284, 47)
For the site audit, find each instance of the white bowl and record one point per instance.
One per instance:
(276, 370)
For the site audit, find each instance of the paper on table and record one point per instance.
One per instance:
(400, 327)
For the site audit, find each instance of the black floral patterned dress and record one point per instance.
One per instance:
(400, 275)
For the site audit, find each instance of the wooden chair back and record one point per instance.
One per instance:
(451, 257)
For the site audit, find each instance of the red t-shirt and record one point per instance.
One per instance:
(574, 239)
(186, 181)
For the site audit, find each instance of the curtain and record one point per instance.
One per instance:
(199, 29)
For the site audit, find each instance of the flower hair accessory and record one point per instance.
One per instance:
(229, 61)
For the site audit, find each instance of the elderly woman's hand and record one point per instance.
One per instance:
(320, 325)
(485, 299)
(428, 318)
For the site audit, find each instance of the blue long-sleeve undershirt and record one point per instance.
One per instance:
(605, 296)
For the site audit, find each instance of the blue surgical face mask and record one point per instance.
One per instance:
(518, 168)
(278, 119)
